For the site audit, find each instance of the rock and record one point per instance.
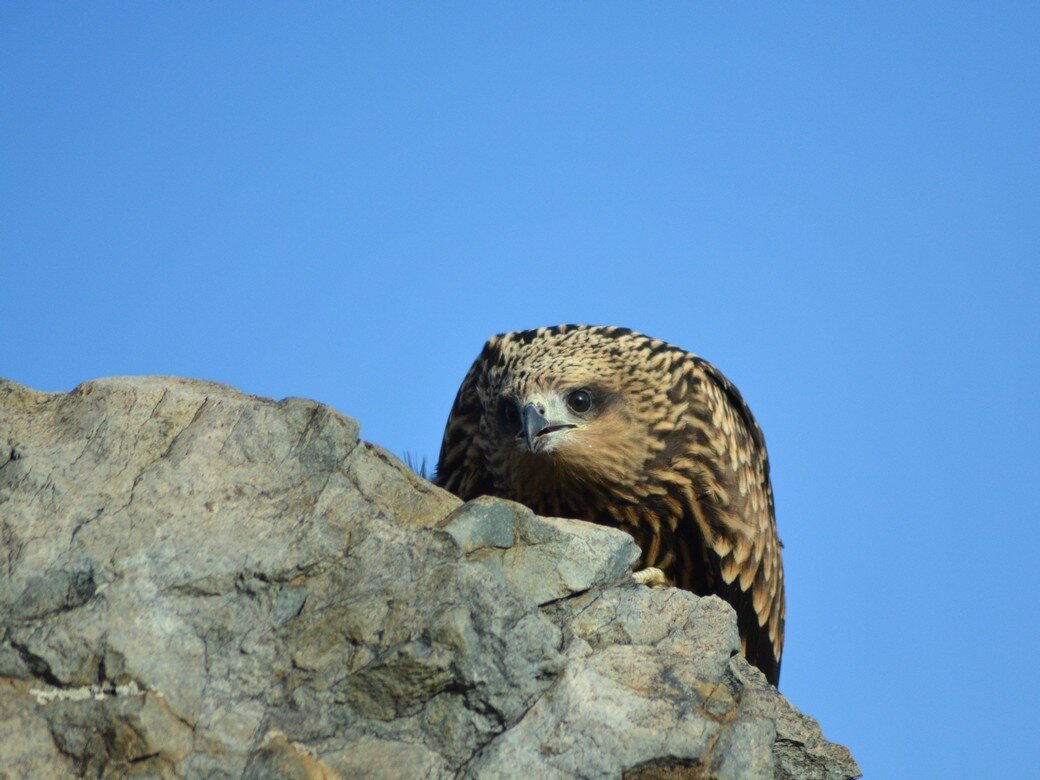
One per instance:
(197, 582)
(541, 559)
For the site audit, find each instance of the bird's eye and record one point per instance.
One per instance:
(580, 401)
(508, 413)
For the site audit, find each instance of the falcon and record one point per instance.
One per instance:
(608, 425)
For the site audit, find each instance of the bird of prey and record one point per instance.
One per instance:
(611, 426)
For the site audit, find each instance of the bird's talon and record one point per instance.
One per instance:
(652, 577)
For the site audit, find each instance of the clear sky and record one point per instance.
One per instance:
(835, 203)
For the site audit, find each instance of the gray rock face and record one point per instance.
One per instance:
(199, 583)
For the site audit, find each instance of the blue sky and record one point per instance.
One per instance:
(836, 204)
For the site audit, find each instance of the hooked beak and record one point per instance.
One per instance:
(536, 425)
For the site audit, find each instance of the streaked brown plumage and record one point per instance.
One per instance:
(611, 426)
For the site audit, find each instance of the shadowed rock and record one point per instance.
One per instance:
(197, 582)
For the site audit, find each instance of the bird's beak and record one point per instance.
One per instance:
(534, 423)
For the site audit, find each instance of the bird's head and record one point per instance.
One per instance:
(564, 407)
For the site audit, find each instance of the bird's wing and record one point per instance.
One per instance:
(742, 526)
(460, 466)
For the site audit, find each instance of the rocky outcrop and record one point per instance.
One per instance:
(196, 582)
